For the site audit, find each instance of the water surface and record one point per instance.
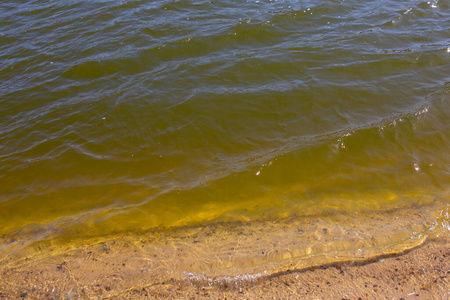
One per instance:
(136, 116)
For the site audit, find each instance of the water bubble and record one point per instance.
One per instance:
(416, 167)
(422, 111)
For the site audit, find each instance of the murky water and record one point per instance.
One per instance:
(129, 117)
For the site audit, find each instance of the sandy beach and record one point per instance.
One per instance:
(232, 262)
(421, 273)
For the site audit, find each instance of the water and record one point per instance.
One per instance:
(130, 117)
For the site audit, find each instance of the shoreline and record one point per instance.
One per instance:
(311, 257)
(419, 273)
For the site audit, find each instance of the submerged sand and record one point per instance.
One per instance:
(399, 253)
(422, 273)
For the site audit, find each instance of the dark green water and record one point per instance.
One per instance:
(120, 116)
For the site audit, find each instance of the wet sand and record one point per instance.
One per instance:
(422, 273)
(334, 257)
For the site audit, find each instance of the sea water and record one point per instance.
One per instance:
(129, 118)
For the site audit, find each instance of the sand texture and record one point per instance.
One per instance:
(421, 273)
(329, 257)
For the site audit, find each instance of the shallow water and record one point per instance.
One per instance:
(135, 116)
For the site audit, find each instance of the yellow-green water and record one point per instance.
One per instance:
(135, 116)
